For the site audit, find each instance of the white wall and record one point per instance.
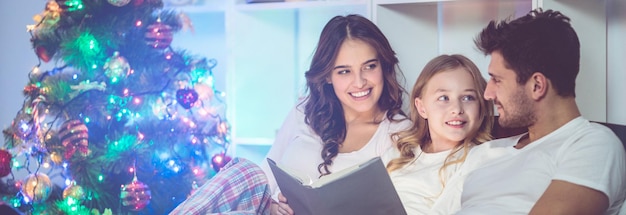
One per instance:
(17, 57)
(616, 75)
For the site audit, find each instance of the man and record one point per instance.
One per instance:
(564, 164)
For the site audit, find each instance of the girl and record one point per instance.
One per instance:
(449, 116)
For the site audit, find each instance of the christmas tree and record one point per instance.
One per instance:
(130, 124)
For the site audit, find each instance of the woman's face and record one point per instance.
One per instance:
(451, 105)
(357, 77)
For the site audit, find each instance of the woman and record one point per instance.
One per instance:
(353, 106)
(449, 117)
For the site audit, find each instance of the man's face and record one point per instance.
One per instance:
(510, 98)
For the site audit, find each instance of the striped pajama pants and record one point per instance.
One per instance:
(239, 188)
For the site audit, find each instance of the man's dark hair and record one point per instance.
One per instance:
(541, 41)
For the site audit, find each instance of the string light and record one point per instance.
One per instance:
(74, 5)
(35, 70)
(116, 99)
(196, 171)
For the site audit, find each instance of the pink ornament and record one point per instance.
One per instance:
(135, 195)
(5, 162)
(74, 135)
(159, 35)
(205, 91)
(43, 54)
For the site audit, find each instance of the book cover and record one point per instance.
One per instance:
(362, 189)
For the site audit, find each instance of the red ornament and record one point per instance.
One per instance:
(74, 135)
(159, 35)
(136, 195)
(186, 97)
(219, 161)
(5, 162)
(42, 53)
(138, 2)
(32, 90)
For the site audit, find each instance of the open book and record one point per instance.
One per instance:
(361, 189)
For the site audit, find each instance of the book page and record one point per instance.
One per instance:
(337, 175)
(343, 192)
(301, 177)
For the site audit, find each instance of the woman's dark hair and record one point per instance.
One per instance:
(323, 110)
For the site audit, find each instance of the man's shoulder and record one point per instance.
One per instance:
(587, 131)
(491, 150)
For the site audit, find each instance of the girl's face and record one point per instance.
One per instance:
(450, 104)
(357, 77)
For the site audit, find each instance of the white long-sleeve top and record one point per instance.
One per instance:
(297, 147)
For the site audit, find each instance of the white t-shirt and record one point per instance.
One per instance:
(418, 183)
(420, 186)
(297, 147)
(580, 152)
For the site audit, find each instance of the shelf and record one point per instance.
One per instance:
(391, 2)
(205, 7)
(432, 28)
(298, 5)
(429, 2)
(253, 141)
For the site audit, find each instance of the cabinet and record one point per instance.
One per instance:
(431, 28)
(601, 27)
(270, 46)
(263, 49)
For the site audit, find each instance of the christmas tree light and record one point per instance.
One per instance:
(130, 124)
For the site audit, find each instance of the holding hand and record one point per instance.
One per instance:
(281, 207)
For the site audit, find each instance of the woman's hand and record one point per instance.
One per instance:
(281, 207)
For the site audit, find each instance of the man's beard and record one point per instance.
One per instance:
(519, 114)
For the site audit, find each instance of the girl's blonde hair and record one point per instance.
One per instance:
(418, 135)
